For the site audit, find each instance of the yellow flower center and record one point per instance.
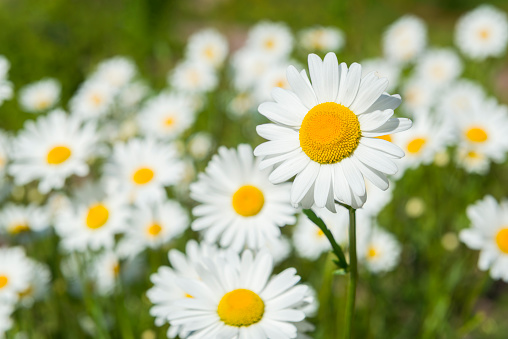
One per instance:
(3, 281)
(241, 307)
(502, 240)
(269, 44)
(97, 216)
(484, 34)
(154, 229)
(248, 201)
(386, 137)
(58, 155)
(209, 52)
(116, 269)
(19, 228)
(96, 99)
(187, 295)
(27, 292)
(371, 253)
(169, 122)
(320, 233)
(42, 104)
(415, 145)
(476, 134)
(330, 132)
(473, 155)
(143, 176)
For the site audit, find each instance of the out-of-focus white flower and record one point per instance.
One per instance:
(240, 105)
(39, 96)
(405, 39)
(14, 273)
(16, 219)
(439, 67)
(273, 77)
(273, 39)
(116, 72)
(6, 87)
(378, 198)
(105, 271)
(385, 68)
(279, 248)
(51, 149)
(322, 39)
(200, 145)
(472, 161)
(193, 77)
(249, 65)
(167, 116)
(482, 33)
(93, 99)
(132, 94)
(459, 97)
(418, 95)
(40, 278)
(6, 309)
(207, 46)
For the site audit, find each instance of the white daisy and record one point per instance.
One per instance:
(93, 99)
(6, 309)
(167, 115)
(439, 66)
(472, 160)
(482, 32)
(240, 105)
(279, 248)
(14, 273)
(274, 39)
(15, 219)
(207, 46)
(51, 149)
(105, 272)
(193, 77)
(418, 94)
(385, 68)
(489, 234)
(200, 145)
(274, 77)
(459, 97)
(141, 168)
(324, 133)
(116, 72)
(6, 87)
(39, 96)
(39, 283)
(378, 250)
(322, 39)
(132, 94)
(5, 65)
(405, 39)
(238, 205)
(249, 65)
(236, 298)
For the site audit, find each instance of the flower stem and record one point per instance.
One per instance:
(353, 275)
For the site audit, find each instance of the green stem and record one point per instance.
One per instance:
(353, 275)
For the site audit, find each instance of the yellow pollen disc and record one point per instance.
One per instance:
(320, 233)
(387, 137)
(143, 176)
(241, 307)
(58, 155)
(269, 44)
(42, 104)
(330, 132)
(96, 99)
(476, 134)
(97, 216)
(371, 253)
(169, 122)
(116, 269)
(188, 295)
(3, 281)
(484, 34)
(415, 145)
(280, 83)
(248, 201)
(209, 53)
(502, 240)
(154, 229)
(19, 228)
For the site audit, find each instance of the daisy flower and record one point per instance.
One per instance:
(14, 273)
(405, 39)
(193, 77)
(324, 133)
(439, 66)
(208, 47)
(238, 204)
(249, 65)
(472, 161)
(39, 284)
(6, 87)
(39, 96)
(167, 115)
(116, 72)
(321, 39)
(482, 33)
(6, 309)
(418, 94)
(272, 39)
(378, 249)
(459, 97)
(279, 248)
(105, 272)
(93, 99)
(236, 298)
(132, 94)
(385, 69)
(141, 168)
(51, 149)
(489, 234)
(274, 77)
(200, 145)
(16, 219)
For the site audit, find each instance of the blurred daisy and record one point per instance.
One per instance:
(167, 115)
(459, 97)
(279, 248)
(92, 100)
(132, 94)
(310, 242)
(5, 148)
(273, 77)
(141, 168)
(200, 145)
(15, 219)
(115, 72)
(472, 161)
(105, 272)
(51, 149)
(378, 249)
(153, 225)
(489, 234)
(6, 87)
(240, 105)
(193, 77)
(418, 94)
(405, 39)
(324, 133)
(57, 202)
(5, 65)
(93, 222)
(482, 32)
(238, 205)
(439, 67)
(6, 310)
(208, 47)
(273, 39)
(249, 66)
(39, 96)
(385, 69)
(321, 39)
(39, 284)
(237, 298)
(378, 198)
(14, 273)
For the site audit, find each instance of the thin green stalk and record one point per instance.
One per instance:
(353, 275)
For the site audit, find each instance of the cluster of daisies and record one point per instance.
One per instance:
(112, 172)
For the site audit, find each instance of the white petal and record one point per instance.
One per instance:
(317, 76)
(279, 114)
(303, 182)
(383, 146)
(323, 185)
(353, 176)
(371, 121)
(352, 84)
(393, 125)
(301, 87)
(371, 88)
(385, 101)
(375, 159)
